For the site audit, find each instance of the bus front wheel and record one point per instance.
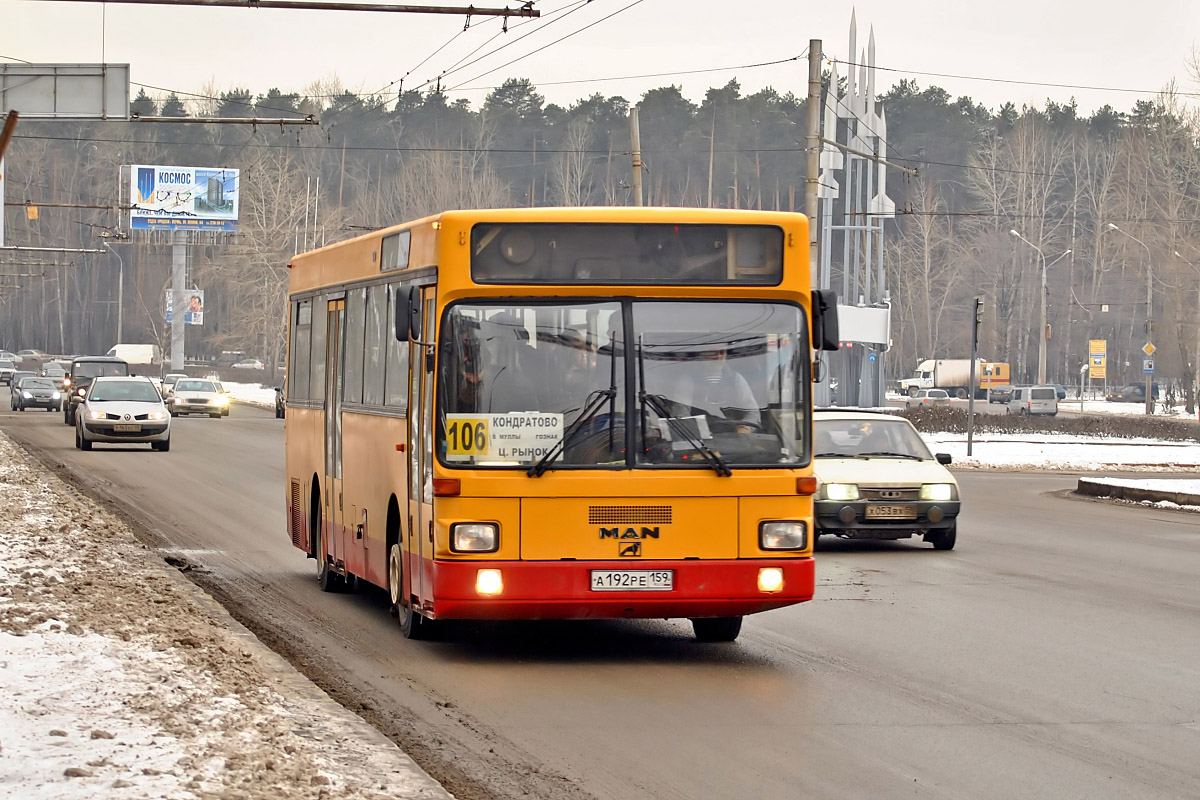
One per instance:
(717, 629)
(412, 624)
(327, 578)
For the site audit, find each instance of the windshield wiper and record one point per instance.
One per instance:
(714, 459)
(591, 408)
(892, 455)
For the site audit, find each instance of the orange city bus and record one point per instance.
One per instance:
(559, 413)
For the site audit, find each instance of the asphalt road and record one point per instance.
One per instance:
(1053, 654)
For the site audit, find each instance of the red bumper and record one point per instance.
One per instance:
(562, 590)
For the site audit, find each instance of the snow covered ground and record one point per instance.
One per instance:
(122, 680)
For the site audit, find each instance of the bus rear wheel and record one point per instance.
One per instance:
(327, 578)
(412, 624)
(717, 629)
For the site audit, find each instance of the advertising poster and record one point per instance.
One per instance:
(183, 198)
(193, 307)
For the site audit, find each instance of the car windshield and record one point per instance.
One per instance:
(518, 380)
(37, 383)
(195, 386)
(6, 364)
(99, 369)
(851, 438)
(124, 391)
(54, 370)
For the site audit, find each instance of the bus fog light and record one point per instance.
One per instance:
(783, 535)
(489, 582)
(474, 537)
(770, 579)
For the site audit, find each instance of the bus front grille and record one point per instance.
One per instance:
(629, 515)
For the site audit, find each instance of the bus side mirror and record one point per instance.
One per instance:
(824, 319)
(408, 314)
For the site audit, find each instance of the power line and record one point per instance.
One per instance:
(551, 44)
(1009, 80)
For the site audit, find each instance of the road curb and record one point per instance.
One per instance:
(1097, 487)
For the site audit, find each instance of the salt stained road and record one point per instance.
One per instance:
(123, 680)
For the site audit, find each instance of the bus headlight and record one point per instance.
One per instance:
(489, 582)
(770, 579)
(841, 491)
(474, 537)
(783, 535)
(937, 491)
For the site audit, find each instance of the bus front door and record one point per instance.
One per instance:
(419, 548)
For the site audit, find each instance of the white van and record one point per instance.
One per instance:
(138, 355)
(1034, 400)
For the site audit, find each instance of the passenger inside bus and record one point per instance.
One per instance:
(507, 384)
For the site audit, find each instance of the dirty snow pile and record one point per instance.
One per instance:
(120, 681)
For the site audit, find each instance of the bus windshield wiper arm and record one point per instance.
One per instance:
(714, 460)
(595, 402)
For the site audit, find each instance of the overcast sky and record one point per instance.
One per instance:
(687, 43)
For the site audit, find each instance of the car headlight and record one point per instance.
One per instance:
(221, 400)
(474, 537)
(783, 535)
(26, 395)
(177, 401)
(82, 391)
(97, 415)
(937, 491)
(55, 396)
(157, 415)
(841, 491)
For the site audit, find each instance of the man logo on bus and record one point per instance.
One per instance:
(630, 549)
(629, 533)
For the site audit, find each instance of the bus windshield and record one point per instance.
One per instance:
(622, 384)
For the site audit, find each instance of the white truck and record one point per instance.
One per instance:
(145, 359)
(954, 375)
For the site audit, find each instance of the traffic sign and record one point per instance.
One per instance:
(1148, 366)
(871, 358)
(1148, 349)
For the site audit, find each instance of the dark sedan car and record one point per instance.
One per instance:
(1000, 394)
(1131, 393)
(34, 392)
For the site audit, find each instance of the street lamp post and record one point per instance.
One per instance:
(1041, 377)
(1149, 309)
(120, 289)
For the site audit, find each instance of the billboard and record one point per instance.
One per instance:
(1097, 359)
(193, 304)
(183, 198)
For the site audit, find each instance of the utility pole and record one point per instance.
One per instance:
(978, 317)
(636, 137)
(813, 146)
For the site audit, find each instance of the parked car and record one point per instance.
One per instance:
(30, 359)
(876, 479)
(198, 396)
(7, 368)
(35, 392)
(249, 363)
(928, 397)
(1033, 400)
(85, 369)
(1000, 394)
(280, 400)
(1131, 393)
(122, 410)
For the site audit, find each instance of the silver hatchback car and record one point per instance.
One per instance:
(123, 410)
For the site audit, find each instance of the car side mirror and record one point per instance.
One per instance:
(825, 319)
(944, 459)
